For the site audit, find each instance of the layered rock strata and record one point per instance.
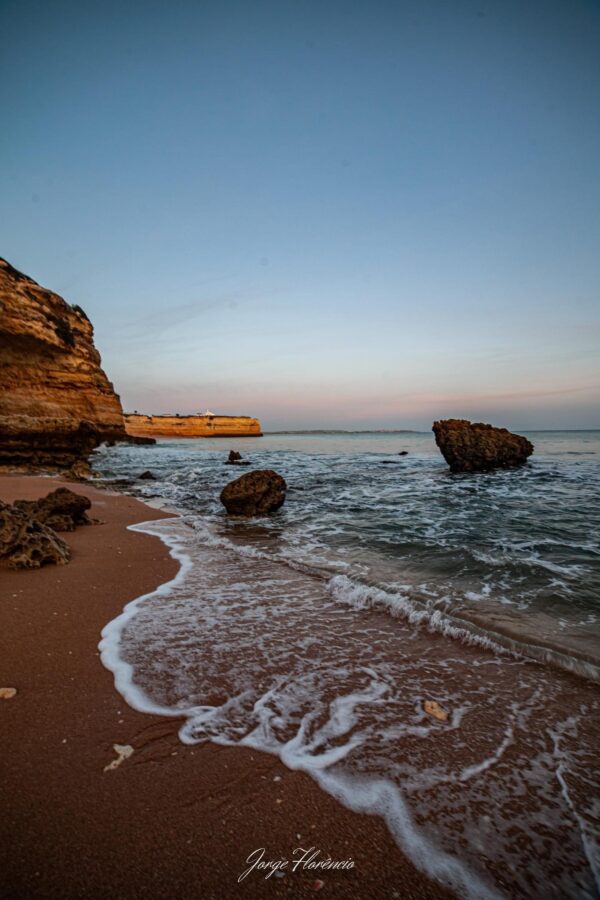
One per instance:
(56, 403)
(192, 426)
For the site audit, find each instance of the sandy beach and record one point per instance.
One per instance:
(172, 820)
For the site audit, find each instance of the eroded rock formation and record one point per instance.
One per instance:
(254, 494)
(28, 537)
(56, 403)
(476, 447)
(26, 543)
(192, 426)
(62, 510)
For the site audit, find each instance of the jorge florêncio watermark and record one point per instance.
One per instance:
(310, 859)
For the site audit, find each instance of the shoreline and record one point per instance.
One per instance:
(172, 820)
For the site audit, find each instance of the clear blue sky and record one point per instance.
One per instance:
(321, 213)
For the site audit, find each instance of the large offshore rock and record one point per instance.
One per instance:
(26, 543)
(476, 447)
(56, 403)
(254, 494)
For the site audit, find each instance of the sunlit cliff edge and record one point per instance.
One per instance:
(56, 403)
(210, 425)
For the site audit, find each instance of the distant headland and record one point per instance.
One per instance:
(207, 424)
(350, 431)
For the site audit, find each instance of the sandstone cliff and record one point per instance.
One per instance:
(192, 426)
(56, 403)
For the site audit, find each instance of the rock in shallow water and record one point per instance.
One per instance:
(476, 447)
(235, 459)
(254, 494)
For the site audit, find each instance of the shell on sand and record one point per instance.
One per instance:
(434, 709)
(123, 752)
(7, 693)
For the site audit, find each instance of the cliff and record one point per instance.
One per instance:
(192, 426)
(56, 403)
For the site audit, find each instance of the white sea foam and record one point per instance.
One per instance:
(383, 798)
(311, 676)
(345, 590)
(379, 797)
(109, 645)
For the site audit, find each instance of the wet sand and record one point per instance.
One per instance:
(172, 821)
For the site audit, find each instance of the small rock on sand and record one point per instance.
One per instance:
(7, 693)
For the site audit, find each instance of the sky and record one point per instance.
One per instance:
(324, 214)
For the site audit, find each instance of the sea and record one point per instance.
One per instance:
(318, 634)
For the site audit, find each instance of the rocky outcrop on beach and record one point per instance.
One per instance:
(28, 537)
(26, 543)
(56, 403)
(62, 510)
(208, 425)
(254, 494)
(477, 447)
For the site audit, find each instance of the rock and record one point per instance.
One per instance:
(7, 693)
(56, 403)
(254, 494)
(26, 543)
(403, 453)
(61, 510)
(28, 528)
(147, 476)
(476, 447)
(79, 471)
(136, 439)
(235, 459)
(434, 709)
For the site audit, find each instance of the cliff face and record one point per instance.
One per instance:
(192, 426)
(56, 403)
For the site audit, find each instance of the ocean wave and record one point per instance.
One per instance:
(361, 596)
(335, 709)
